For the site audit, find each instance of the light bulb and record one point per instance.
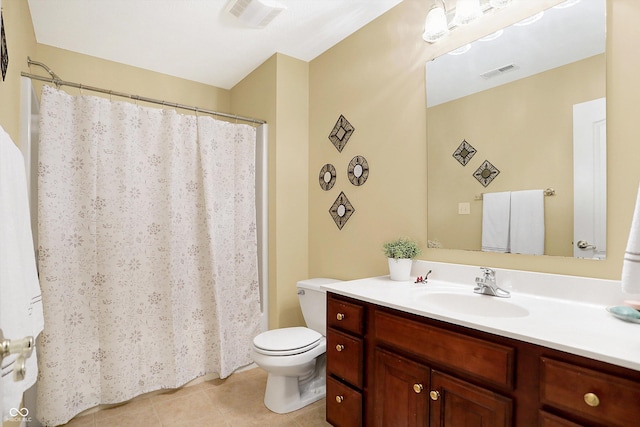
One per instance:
(499, 4)
(467, 11)
(435, 25)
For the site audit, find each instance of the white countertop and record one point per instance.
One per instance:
(579, 327)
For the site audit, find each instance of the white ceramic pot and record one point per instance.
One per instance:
(400, 269)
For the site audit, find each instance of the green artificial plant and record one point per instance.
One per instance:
(403, 248)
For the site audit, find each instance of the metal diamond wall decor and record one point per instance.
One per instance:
(341, 133)
(341, 210)
(4, 54)
(464, 152)
(486, 173)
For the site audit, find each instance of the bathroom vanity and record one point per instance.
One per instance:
(404, 354)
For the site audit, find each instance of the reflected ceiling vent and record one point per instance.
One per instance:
(499, 71)
(255, 13)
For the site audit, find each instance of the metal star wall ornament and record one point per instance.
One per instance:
(341, 210)
(341, 133)
(486, 173)
(464, 152)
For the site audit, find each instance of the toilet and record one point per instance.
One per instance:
(294, 358)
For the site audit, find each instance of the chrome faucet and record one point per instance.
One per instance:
(486, 285)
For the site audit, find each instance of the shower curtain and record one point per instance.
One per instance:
(147, 251)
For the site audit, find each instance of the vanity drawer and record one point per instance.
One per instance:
(344, 405)
(345, 315)
(487, 360)
(548, 420)
(597, 396)
(345, 357)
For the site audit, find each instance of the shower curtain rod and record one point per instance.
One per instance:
(59, 82)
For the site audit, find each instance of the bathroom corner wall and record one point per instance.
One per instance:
(376, 79)
(277, 92)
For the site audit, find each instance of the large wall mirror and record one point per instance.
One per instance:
(522, 109)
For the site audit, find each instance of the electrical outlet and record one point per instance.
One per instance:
(464, 208)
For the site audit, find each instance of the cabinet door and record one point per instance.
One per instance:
(400, 390)
(456, 403)
(344, 405)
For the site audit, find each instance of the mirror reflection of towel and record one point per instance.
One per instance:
(527, 222)
(495, 221)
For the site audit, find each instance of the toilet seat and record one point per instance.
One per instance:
(286, 341)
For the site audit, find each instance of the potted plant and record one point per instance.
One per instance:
(400, 253)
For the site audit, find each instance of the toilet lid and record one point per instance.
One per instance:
(286, 341)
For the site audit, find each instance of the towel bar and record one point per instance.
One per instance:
(547, 192)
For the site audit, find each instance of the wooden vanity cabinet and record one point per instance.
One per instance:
(411, 387)
(345, 362)
(415, 371)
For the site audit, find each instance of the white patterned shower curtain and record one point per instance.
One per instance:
(147, 255)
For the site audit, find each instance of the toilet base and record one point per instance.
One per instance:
(287, 394)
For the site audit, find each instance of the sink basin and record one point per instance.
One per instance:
(474, 304)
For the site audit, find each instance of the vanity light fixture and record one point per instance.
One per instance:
(255, 13)
(491, 36)
(435, 25)
(499, 4)
(530, 20)
(461, 50)
(467, 11)
(566, 4)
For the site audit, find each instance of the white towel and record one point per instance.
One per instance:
(631, 263)
(527, 222)
(495, 221)
(20, 300)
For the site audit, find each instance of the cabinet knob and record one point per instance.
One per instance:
(340, 316)
(339, 399)
(339, 347)
(591, 399)
(434, 394)
(417, 388)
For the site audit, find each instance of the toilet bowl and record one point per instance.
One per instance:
(294, 357)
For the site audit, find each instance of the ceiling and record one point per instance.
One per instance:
(196, 39)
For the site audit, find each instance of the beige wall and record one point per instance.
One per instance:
(92, 71)
(278, 92)
(21, 42)
(376, 79)
(524, 129)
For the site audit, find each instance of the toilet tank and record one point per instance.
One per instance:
(313, 302)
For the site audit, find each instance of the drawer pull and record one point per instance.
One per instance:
(340, 316)
(591, 399)
(339, 347)
(417, 388)
(339, 399)
(434, 394)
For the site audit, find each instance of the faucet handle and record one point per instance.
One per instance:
(488, 272)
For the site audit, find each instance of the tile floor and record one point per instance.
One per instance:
(233, 402)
